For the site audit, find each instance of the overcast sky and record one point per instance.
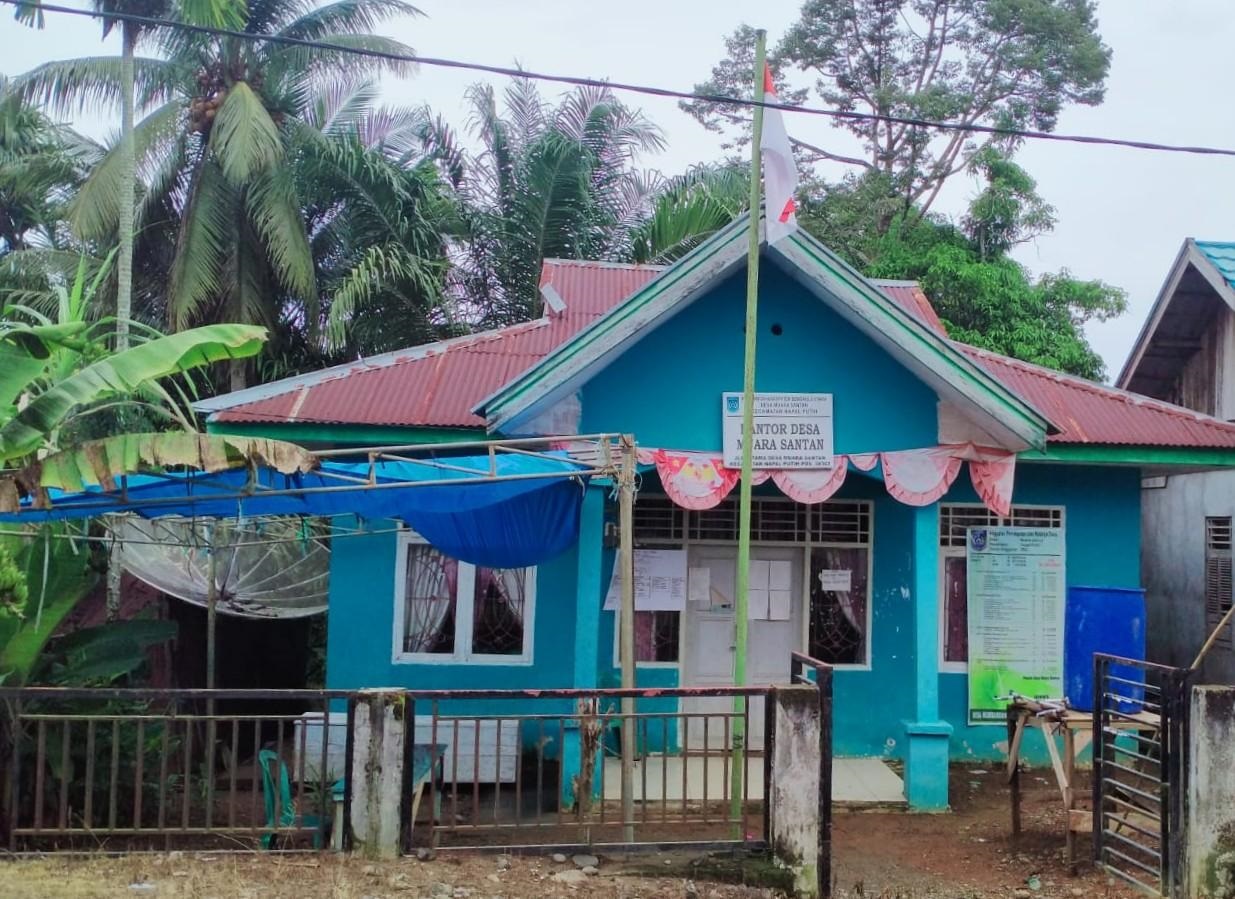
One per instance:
(1122, 213)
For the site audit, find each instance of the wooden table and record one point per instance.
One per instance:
(1076, 730)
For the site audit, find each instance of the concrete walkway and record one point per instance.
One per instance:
(855, 782)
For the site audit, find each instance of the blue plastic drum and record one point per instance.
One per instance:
(1109, 620)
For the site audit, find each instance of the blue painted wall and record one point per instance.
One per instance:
(666, 389)
(360, 629)
(1102, 520)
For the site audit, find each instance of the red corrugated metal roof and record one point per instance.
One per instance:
(437, 385)
(1086, 412)
(909, 296)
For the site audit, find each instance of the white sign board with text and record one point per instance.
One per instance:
(791, 430)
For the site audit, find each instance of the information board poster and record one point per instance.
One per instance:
(1015, 596)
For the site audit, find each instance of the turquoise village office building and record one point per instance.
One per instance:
(867, 559)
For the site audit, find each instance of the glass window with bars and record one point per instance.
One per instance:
(1218, 595)
(454, 611)
(838, 532)
(954, 520)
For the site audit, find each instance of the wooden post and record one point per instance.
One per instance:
(741, 625)
(626, 515)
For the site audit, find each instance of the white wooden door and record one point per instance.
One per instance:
(708, 657)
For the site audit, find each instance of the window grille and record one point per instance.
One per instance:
(1218, 594)
(772, 520)
(658, 518)
(955, 519)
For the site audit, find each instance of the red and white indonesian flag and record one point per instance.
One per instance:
(780, 176)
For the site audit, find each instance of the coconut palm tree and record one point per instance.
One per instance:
(217, 147)
(224, 13)
(548, 182)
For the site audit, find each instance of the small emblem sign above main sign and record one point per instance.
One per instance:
(791, 430)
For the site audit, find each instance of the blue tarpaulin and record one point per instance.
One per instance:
(525, 514)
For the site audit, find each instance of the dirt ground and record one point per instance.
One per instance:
(967, 854)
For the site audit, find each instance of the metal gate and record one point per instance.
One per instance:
(1139, 772)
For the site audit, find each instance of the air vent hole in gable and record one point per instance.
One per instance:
(777, 330)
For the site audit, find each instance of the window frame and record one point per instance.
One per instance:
(954, 552)
(465, 589)
(681, 526)
(617, 616)
(1214, 553)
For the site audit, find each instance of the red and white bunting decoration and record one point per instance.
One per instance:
(812, 486)
(916, 477)
(695, 481)
(864, 461)
(919, 477)
(992, 480)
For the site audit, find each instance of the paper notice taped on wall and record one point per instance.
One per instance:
(840, 581)
(780, 605)
(757, 604)
(659, 581)
(699, 587)
(760, 574)
(780, 575)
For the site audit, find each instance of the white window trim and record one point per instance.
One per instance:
(464, 611)
(952, 552)
(870, 598)
(617, 645)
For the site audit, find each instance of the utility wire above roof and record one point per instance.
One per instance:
(647, 90)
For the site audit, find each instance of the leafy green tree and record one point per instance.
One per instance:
(217, 150)
(991, 301)
(1001, 63)
(55, 373)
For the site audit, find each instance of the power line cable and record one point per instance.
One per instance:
(647, 90)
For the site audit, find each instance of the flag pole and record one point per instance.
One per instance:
(741, 625)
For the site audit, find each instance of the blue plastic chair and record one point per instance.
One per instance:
(269, 760)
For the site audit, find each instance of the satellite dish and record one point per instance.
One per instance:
(265, 568)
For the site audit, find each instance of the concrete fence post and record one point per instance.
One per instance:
(793, 794)
(1210, 813)
(378, 765)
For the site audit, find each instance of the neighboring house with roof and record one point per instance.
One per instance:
(872, 551)
(1185, 354)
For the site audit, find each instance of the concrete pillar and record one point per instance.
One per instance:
(793, 804)
(589, 591)
(1210, 813)
(377, 773)
(589, 596)
(926, 757)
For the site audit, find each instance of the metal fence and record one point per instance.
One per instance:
(543, 768)
(129, 770)
(1140, 771)
(153, 769)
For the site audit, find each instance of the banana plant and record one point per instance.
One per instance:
(54, 371)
